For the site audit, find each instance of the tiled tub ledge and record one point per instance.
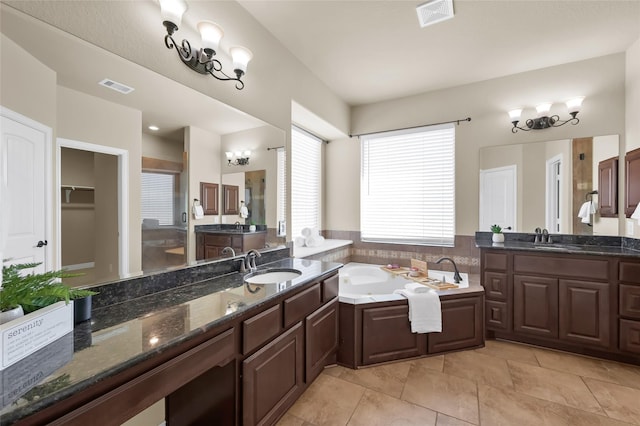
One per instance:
(328, 245)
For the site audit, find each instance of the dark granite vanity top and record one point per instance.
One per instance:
(123, 334)
(574, 244)
(229, 229)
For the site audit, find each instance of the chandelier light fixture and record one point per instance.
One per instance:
(544, 120)
(241, 158)
(202, 60)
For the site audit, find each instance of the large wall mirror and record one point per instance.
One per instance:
(187, 148)
(567, 186)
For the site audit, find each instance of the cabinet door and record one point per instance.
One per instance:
(632, 181)
(272, 378)
(209, 196)
(608, 187)
(387, 336)
(230, 199)
(495, 285)
(535, 305)
(321, 339)
(461, 325)
(584, 312)
(211, 252)
(630, 336)
(497, 315)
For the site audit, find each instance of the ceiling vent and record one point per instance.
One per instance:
(434, 11)
(118, 87)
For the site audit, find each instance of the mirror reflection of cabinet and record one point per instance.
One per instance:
(632, 181)
(230, 199)
(608, 187)
(209, 197)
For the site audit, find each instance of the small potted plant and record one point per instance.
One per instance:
(498, 236)
(21, 294)
(252, 227)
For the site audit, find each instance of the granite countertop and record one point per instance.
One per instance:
(122, 335)
(572, 244)
(231, 231)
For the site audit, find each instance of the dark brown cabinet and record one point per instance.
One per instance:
(632, 181)
(209, 196)
(585, 314)
(461, 326)
(209, 245)
(608, 187)
(321, 329)
(535, 305)
(387, 336)
(272, 378)
(230, 199)
(630, 336)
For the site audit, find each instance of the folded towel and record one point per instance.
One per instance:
(586, 210)
(425, 313)
(198, 212)
(299, 241)
(314, 241)
(244, 212)
(306, 232)
(417, 288)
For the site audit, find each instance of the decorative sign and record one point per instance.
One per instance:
(23, 336)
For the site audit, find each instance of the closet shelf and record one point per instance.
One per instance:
(78, 187)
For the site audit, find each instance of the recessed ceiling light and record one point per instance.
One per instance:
(154, 128)
(434, 11)
(118, 87)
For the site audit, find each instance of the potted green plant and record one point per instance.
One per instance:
(498, 236)
(21, 294)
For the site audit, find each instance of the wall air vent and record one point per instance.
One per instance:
(118, 87)
(434, 11)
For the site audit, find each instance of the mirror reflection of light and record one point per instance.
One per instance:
(154, 340)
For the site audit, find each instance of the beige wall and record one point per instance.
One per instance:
(106, 212)
(601, 80)
(604, 147)
(204, 166)
(632, 113)
(161, 148)
(89, 119)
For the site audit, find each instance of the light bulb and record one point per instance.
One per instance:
(574, 105)
(241, 57)
(172, 10)
(211, 34)
(543, 109)
(515, 114)
(247, 153)
(229, 155)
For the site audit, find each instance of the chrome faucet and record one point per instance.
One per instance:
(542, 237)
(228, 250)
(238, 225)
(456, 275)
(250, 259)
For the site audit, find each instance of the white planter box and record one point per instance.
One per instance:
(23, 336)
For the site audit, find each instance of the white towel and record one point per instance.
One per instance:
(244, 212)
(198, 212)
(306, 232)
(314, 241)
(425, 313)
(299, 241)
(417, 288)
(586, 210)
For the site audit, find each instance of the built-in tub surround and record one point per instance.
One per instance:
(137, 320)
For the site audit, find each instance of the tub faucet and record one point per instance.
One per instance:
(250, 259)
(456, 275)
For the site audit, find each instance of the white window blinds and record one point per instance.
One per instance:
(282, 190)
(157, 197)
(306, 160)
(408, 186)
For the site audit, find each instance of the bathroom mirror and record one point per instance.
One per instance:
(187, 136)
(545, 184)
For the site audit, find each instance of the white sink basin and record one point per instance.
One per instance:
(272, 276)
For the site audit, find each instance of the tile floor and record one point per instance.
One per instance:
(503, 383)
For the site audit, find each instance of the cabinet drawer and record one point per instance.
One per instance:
(630, 336)
(495, 285)
(630, 272)
(217, 240)
(629, 301)
(567, 266)
(330, 288)
(495, 261)
(496, 315)
(302, 304)
(261, 328)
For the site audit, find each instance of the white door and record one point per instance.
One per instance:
(498, 198)
(23, 152)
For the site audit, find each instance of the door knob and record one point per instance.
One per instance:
(42, 243)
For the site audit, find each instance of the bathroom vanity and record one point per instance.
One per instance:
(211, 239)
(218, 350)
(582, 298)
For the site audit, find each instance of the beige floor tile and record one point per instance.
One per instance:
(608, 371)
(619, 402)
(554, 386)
(444, 420)
(432, 362)
(328, 401)
(508, 350)
(451, 395)
(389, 378)
(291, 420)
(479, 368)
(378, 409)
(506, 407)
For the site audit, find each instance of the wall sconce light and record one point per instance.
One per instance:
(242, 158)
(202, 60)
(544, 121)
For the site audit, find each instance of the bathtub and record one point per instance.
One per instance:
(367, 283)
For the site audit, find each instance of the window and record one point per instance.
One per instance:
(282, 191)
(157, 197)
(306, 157)
(408, 186)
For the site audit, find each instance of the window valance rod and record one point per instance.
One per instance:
(412, 127)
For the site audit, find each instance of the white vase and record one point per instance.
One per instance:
(11, 314)
(497, 238)
(252, 228)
